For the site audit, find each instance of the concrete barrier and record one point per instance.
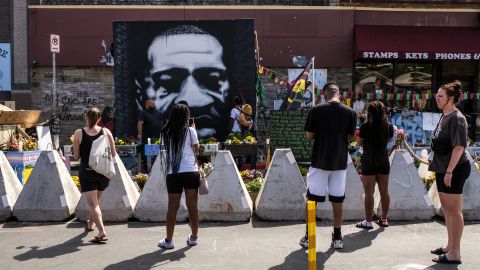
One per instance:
(50, 193)
(408, 197)
(353, 206)
(228, 199)
(118, 200)
(10, 188)
(282, 196)
(152, 205)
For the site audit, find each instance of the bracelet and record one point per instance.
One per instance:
(448, 173)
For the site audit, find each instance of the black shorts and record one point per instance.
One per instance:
(459, 176)
(91, 180)
(377, 169)
(176, 182)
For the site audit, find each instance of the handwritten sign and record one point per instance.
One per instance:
(286, 131)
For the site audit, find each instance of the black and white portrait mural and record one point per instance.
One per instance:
(204, 63)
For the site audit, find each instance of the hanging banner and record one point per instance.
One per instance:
(5, 67)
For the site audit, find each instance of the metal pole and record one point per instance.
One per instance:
(312, 235)
(54, 85)
(314, 97)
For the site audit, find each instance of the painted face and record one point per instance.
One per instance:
(442, 98)
(189, 67)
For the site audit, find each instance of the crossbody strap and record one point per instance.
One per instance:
(439, 121)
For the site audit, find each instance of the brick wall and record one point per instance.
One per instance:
(5, 21)
(20, 45)
(77, 88)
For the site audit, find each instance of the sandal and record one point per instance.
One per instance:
(364, 225)
(382, 222)
(438, 251)
(443, 259)
(98, 240)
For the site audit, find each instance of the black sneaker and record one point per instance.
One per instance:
(304, 242)
(337, 243)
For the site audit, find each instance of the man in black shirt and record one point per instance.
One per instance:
(149, 125)
(330, 125)
(149, 122)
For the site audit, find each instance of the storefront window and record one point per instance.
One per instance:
(413, 79)
(373, 78)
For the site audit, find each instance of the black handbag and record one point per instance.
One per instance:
(438, 146)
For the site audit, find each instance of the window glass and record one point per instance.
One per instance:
(413, 78)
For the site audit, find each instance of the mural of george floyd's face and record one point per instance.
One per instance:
(189, 67)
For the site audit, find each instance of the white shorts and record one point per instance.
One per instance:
(321, 182)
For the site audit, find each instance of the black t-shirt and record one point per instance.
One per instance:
(152, 124)
(368, 153)
(330, 122)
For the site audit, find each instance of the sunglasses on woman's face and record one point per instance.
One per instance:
(172, 79)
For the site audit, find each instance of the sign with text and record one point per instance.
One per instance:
(420, 55)
(54, 43)
(5, 67)
(286, 131)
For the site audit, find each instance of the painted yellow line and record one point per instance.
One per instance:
(312, 244)
(251, 7)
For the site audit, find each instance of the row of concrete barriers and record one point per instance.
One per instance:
(51, 195)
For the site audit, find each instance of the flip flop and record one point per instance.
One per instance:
(98, 240)
(438, 251)
(443, 259)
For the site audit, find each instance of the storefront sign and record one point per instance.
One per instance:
(420, 55)
(5, 67)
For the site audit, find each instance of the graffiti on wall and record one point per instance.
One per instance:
(72, 107)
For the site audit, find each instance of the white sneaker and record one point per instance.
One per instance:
(304, 242)
(167, 244)
(192, 240)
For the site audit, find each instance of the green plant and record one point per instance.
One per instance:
(303, 170)
(255, 185)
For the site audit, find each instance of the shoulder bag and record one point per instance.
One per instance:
(100, 159)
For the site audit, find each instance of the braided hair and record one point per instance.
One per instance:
(173, 137)
(378, 122)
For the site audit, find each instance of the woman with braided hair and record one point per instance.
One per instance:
(180, 163)
(373, 136)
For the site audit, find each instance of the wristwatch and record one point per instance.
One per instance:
(448, 172)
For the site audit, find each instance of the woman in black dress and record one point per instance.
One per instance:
(374, 135)
(92, 184)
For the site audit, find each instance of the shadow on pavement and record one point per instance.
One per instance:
(442, 267)
(64, 248)
(355, 241)
(359, 240)
(147, 261)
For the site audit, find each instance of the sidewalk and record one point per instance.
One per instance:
(251, 246)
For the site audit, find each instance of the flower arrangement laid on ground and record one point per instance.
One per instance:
(19, 144)
(253, 180)
(140, 178)
(239, 138)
